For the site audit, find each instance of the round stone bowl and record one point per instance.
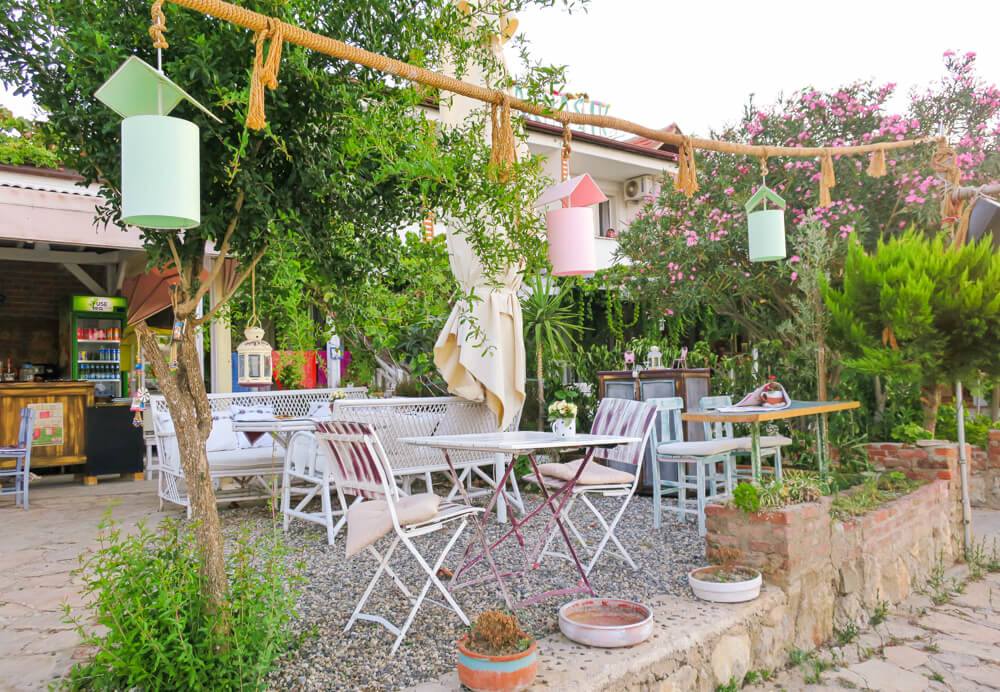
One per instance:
(606, 622)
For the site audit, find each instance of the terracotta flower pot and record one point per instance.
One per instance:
(482, 673)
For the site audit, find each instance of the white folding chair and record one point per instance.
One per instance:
(306, 476)
(357, 465)
(770, 445)
(613, 417)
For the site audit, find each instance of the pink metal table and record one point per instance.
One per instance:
(514, 444)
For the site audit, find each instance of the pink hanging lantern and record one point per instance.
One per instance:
(571, 228)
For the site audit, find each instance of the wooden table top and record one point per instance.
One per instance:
(797, 409)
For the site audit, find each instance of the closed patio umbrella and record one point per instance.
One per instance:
(480, 351)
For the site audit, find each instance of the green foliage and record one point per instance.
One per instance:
(977, 428)
(846, 635)
(874, 492)
(23, 143)
(879, 614)
(145, 588)
(892, 316)
(746, 497)
(910, 433)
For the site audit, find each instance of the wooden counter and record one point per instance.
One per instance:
(75, 397)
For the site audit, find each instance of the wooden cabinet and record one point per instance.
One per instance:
(73, 399)
(690, 384)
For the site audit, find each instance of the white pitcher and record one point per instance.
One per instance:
(564, 427)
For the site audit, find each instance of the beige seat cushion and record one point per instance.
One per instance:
(697, 449)
(369, 520)
(765, 442)
(593, 473)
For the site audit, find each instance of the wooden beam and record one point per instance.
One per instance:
(84, 278)
(59, 256)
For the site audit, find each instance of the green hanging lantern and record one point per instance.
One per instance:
(160, 159)
(766, 227)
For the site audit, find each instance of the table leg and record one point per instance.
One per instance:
(478, 527)
(821, 445)
(755, 465)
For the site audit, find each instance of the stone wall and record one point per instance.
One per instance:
(833, 571)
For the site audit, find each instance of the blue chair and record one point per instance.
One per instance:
(770, 445)
(706, 456)
(21, 453)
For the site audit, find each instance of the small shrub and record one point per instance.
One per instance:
(880, 613)
(746, 497)
(846, 635)
(731, 686)
(495, 633)
(874, 492)
(910, 433)
(145, 588)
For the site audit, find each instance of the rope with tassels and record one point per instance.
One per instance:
(158, 26)
(944, 161)
(503, 153)
(827, 178)
(265, 74)
(567, 150)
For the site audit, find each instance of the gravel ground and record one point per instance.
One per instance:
(330, 659)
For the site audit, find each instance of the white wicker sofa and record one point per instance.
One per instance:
(255, 464)
(399, 417)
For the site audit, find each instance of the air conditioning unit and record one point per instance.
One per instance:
(637, 188)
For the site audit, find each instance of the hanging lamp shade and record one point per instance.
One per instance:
(160, 160)
(254, 366)
(766, 227)
(571, 228)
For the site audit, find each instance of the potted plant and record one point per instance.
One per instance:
(773, 393)
(727, 581)
(496, 655)
(563, 416)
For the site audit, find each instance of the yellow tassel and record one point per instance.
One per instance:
(265, 73)
(827, 179)
(876, 169)
(687, 175)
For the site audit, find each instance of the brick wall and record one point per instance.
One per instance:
(29, 317)
(835, 571)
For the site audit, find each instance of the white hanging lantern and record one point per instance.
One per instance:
(254, 355)
(654, 359)
(160, 160)
(254, 367)
(766, 227)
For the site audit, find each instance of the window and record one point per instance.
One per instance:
(603, 218)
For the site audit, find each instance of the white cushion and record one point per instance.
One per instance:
(706, 448)
(593, 473)
(163, 423)
(245, 459)
(319, 409)
(765, 442)
(369, 520)
(259, 412)
(222, 437)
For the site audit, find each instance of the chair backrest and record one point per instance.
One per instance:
(668, 427)
(285, 402)
(399, 417)
(714, 431)
(27, 428)
(355, 459)
(626, 418)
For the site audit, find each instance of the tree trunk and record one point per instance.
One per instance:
(821, 368)
(187, 400)
(931, 399)
(995, 404)
(541, 387)
(880, 400)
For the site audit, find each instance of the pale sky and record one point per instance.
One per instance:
(695, 63)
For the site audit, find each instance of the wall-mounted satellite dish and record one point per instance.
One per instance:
(985, 218)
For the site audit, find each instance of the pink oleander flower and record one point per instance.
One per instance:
(794, 258)
(795, 275)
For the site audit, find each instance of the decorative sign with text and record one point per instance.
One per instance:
(48, 424)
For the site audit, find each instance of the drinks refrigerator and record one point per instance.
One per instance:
(94, 326)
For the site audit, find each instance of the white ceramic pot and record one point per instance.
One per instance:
(724, 592)
(606, 622)
(564, 427)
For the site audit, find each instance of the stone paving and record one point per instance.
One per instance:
(947, 638)
(39, 550)
(954, 645)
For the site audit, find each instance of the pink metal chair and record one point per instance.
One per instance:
(357, 465)
(613, 417)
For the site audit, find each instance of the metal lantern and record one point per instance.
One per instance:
(654, 359)
(160, 160)
(254, 355)
(571, 228)
(766, 227)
